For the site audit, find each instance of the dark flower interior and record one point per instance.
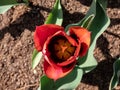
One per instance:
(60, 49)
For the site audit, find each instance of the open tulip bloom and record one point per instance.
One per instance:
(59, 49)
(68, 53)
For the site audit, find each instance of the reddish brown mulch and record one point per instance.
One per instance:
(16, 44)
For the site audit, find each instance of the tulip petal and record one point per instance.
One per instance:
(47, 53)
(57, 72)
(43, 32)
(82, 35)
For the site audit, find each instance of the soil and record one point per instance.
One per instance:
(17, 27)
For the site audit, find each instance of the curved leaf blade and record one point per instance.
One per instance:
(46, 83)
(97, 27)
(91, 11)
(37, 56)
(68, 82)
(7, 2)
(53, 18)
(116, 74)
(71, 81)
(5, 5)
(85, 22)
(35, 52)
(56, 16)
(26, 1)
(4, 8)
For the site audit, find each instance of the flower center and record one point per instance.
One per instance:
(61, 49)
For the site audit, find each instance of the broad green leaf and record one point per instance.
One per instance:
(10, 2)
(7, 2)
(56, 16)
(91, 12)
(37, 56)
(5, 5)
(46, 83)
(26, 1)
(85, 22)
(4, 8)
(116, 74)
(103, 3)
(71, 81)
(97, 27)
(90, 15)
(68, 82)
(35, 52)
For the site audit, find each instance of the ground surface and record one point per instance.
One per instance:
(16, 44)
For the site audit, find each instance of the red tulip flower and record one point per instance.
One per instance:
(59, 49)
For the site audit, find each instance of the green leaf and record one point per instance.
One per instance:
(85, 22)
(35, 52)
(71, 81)
(91, 12)
(37, 56)
(26, 1)
(7, 4)
(10, 2)
(96, 21)
(4, 8)
(46, 83)
(56, 16)
(103, 3)
(89, 16)
(116, 74)
(68, 82)
(97, 27)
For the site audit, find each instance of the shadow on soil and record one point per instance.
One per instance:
(69, 18)
(31, 19)
(28, 20)
(114, 21)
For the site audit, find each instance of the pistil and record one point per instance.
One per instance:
(61, 49)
